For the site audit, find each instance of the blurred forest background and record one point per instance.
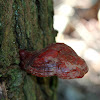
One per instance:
(78, 25)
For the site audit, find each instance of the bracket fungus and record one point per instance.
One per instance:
(56, 59)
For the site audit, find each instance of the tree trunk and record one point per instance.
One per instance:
(24, 24)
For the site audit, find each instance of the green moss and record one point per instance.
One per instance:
(8, 53)
(16, 77)
(29, 88)
(15, 83)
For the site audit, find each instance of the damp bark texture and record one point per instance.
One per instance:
(24, 24)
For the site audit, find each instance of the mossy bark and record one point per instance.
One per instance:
(25, 24)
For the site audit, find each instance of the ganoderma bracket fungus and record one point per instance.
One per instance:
(56, 59)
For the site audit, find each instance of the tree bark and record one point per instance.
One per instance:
(24, 24)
